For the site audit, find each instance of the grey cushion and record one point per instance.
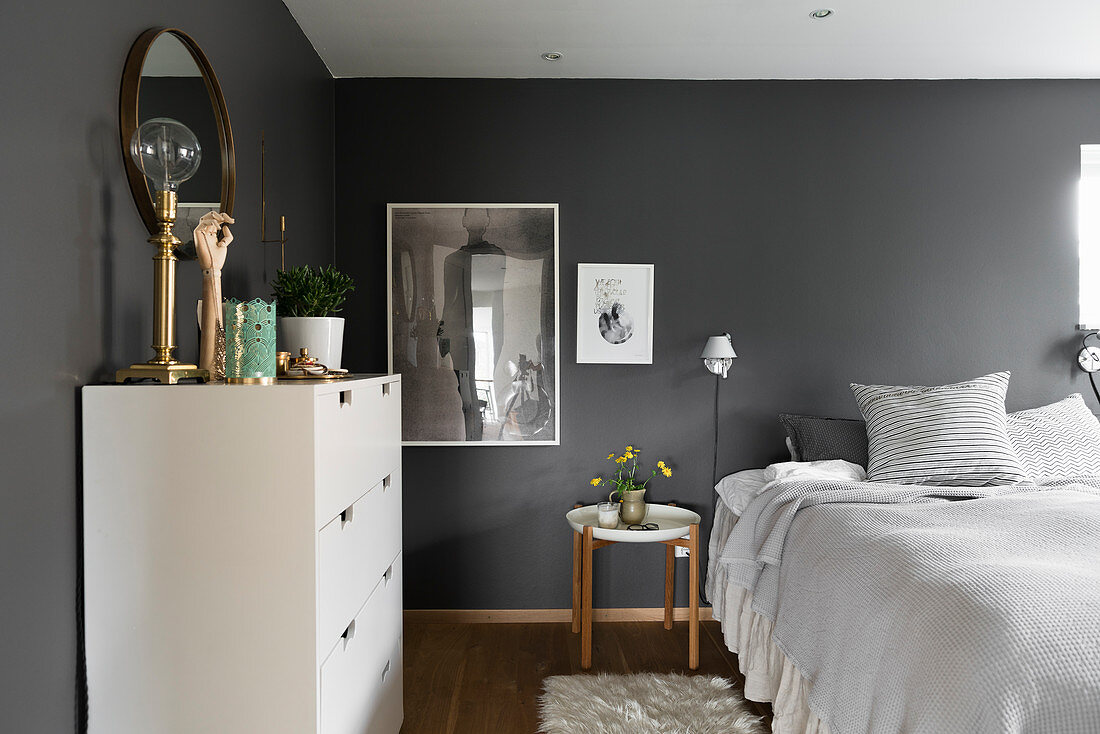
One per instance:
(820, 439)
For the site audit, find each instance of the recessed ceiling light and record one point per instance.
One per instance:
(552, 56)
(821, 13)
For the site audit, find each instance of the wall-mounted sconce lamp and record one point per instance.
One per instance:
(1088, 359)
(718, 354)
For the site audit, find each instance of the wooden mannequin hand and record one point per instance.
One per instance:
(211, 252)
(210, 249)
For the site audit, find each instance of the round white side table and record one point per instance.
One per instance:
(675, 527)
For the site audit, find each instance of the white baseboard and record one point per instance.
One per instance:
(505, 616)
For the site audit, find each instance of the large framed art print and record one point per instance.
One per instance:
(473, 322)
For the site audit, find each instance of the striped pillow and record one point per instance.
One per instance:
(947, 435)
(1057, 440)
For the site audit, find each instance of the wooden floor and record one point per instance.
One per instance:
(481, 678)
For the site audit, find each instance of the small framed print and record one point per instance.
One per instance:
(614, 314)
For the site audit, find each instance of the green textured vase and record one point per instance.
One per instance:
(249, 341)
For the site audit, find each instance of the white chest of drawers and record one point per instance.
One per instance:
(242, 558)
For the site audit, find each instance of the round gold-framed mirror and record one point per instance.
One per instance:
(168, 75)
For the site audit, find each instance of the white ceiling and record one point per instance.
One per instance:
(705, 39)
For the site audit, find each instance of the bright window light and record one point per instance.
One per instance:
(1088, 232)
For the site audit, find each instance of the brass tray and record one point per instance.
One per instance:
(334, 376)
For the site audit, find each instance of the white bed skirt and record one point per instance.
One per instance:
(769, 676)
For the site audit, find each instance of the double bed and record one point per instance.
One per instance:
(870, 606)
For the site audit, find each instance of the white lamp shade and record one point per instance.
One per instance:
(718, 347)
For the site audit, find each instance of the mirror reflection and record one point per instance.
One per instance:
(172, 86)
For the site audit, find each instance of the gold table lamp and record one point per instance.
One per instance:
(168, 153)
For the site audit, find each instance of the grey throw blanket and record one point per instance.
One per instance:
(932, 609)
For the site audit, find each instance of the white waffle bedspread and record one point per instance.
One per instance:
(910, 612)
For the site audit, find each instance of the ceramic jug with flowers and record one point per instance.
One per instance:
(630, 487)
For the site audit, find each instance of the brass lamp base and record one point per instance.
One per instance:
(166, 374)
(164, 368)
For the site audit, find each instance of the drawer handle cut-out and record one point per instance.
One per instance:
(346, 516)
(388, 574)
(385, 671)
(385, 389)
(345, 398)
(349, 633)
(386, 482)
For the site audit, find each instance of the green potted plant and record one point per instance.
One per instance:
(629, 485)
(307, 299)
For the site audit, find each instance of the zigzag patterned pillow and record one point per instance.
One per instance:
(946, 435)
(1057, 440)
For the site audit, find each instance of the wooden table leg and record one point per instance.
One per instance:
(586, 600)
(693, 602)
(576, 582)
(670, 570)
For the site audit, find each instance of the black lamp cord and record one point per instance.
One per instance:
(713, 483)
(714, 469)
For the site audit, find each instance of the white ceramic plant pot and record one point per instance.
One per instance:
(322, 335)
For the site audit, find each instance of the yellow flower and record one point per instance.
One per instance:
(596, 482)
(629, 455)
(660, 465)
(666, 471)
(620, 460)
(611, 455)
(629, 448)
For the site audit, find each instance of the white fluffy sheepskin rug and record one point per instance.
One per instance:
(644, 703)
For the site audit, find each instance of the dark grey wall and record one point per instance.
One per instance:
(899, 232)
(75, 280)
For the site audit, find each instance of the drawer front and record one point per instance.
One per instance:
(362, 673)
(358, 439)
(354, 550)
(388, 711)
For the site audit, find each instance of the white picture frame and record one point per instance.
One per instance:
(519, 346)
(614, 313)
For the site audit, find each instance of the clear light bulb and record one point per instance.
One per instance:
(166, 151)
